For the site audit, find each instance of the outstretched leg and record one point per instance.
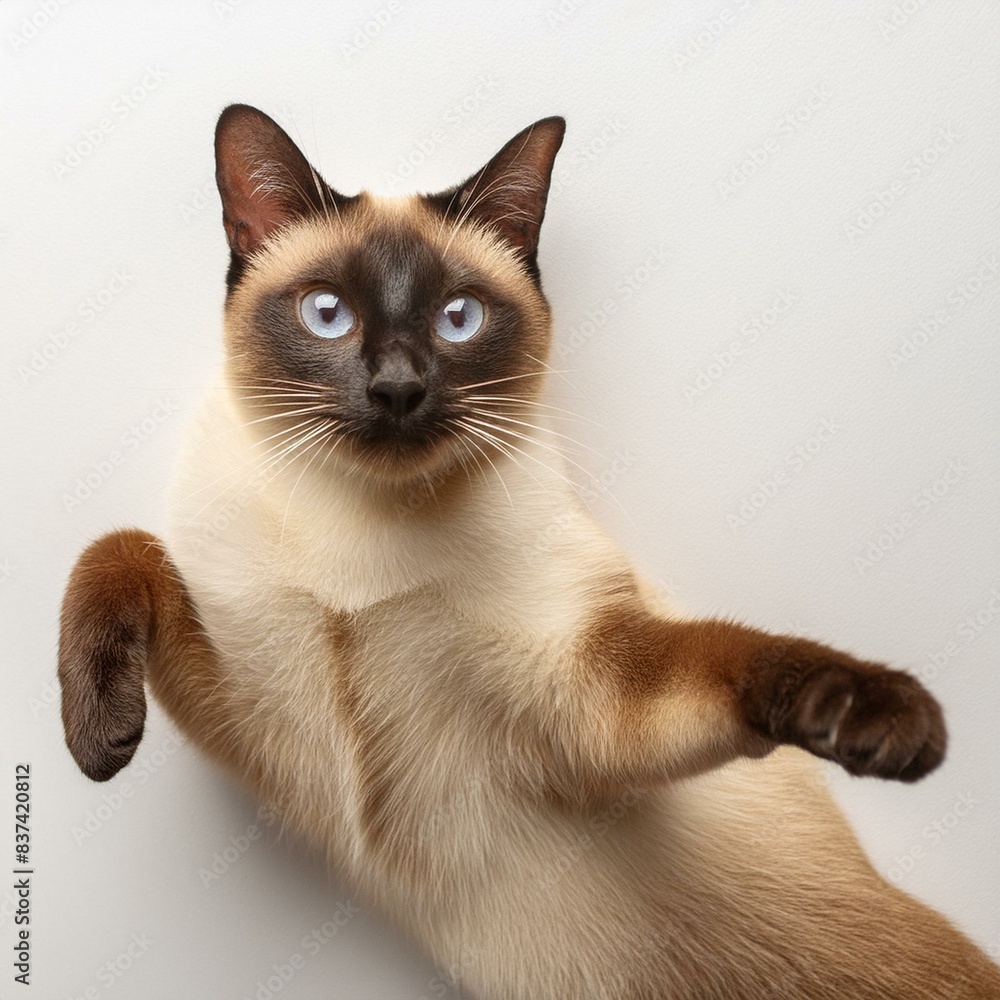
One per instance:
(125, 613)
(639, 697)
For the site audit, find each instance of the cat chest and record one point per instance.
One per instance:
(374, 728)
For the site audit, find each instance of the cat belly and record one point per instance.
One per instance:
(375, 734)
(742, 884)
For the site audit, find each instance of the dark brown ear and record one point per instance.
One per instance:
(509, 193)
(264, 180)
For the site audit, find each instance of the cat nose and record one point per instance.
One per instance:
(397, 386)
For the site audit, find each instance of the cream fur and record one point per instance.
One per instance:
(699, 888)
(436, 666)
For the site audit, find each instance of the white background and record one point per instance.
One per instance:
(679, 151)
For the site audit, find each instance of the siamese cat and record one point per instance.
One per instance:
(560, 786)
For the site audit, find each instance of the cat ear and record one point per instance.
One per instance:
(264, 180)
(509, 193)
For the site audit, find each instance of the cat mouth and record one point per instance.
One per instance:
(395, 448)
(398, 438)
(367, 439)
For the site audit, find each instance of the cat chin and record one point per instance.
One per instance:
(398, 464)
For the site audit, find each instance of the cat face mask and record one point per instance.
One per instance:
(389, 335)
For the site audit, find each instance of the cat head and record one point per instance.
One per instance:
(394, 336)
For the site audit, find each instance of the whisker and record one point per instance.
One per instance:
(266, 463)
(551, 371)
(324, 408)
(513, 176)
(556, 451)
(460, 439)
(474, 200)
(320, 441)
(470, 431)
(533, 403)
(447, 211)
(281, 401)
(266, 391)
(240, 470)
(320, 187)
(291, 381)
(277, 385)
(237, 427)
(537, 427)
(485, 455)
(488, 427)
(504, 447)
(263, 441)
(290, 450)
(497, 381)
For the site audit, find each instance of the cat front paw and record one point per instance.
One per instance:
(105, 627)
(871, 720)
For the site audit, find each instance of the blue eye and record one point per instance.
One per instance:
(326, 314)
(460, 319)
